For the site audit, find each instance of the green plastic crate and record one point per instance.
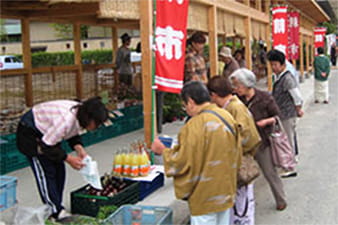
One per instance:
(12, 161)
(9, 144)
(82, 203)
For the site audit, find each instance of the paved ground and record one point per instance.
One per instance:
(312, 196)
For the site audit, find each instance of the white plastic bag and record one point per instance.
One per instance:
(20, 215)
(90, 173)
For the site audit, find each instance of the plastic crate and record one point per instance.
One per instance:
(9, 144)
(7, 192)
(12, 161)
(146, 188)
(132, 111)
(139, 214)
(82, 203)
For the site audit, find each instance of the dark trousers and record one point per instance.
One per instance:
(49, 175)
(159, 110)
(50, 179)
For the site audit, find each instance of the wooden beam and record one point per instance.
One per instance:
(212, 22)
(267, 6)
(77, 59)
(27, 60)
(24, 5)
(307, 52)
(301, 57)
(146, 21)
(268, 48)
(114, 51)
(248, 32)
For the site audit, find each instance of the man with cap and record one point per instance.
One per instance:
(123, 63)
(230, 63)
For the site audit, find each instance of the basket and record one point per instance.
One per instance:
(146, 188)
(130, 214)
(82, 203)
(7, 192)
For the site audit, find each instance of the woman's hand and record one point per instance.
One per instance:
(261, 123)
(157, 146)
(81, 152)
(74, 161)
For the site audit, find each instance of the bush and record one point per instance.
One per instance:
(172, 107)
(40, 59)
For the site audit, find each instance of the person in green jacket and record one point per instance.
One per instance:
(322, 72)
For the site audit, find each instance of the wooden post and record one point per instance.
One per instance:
(212, 21)
(233, 49)
(247, 27)
(27, 60)
(247, 2)
(268, 48)
(259, 5)
(77, 59)
(146, 21)
(307, 56)
(267, 6)
(301, 58)
(114, 52)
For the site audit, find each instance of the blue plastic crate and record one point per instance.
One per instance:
(139, 214)
(7, 192)
(146, 188)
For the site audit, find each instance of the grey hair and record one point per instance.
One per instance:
(245, 77)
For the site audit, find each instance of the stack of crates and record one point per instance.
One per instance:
(7, 192)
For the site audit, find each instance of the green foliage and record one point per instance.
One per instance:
(172, 107)
(40, 59)
(65, 31)
(106, 211)
(3, 33)
(330, 28)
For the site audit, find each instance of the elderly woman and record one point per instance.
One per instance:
(264, 110)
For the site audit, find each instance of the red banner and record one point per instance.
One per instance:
(170, 40)
(280, 29)
(293, 48)
(319, 35)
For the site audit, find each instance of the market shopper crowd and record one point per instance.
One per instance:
(207, 142)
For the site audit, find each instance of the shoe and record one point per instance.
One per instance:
(326, 102)
(64, 216)
(316, 101)
(281, 207)
(287, 174)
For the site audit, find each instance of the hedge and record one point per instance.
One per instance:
(40, 59)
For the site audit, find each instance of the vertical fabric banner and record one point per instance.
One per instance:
(170, 43)
(280, 29)
(319, 35)
(293, 48)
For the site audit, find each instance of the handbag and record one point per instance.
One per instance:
(249, 169)
(281, 150)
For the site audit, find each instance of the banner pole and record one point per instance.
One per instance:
(153, 102)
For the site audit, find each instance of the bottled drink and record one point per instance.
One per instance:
(118, 163)
(134, 165)
(127, 164)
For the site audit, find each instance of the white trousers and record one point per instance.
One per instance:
(321, 90)
(219, 218)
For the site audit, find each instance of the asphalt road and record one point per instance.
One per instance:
(313, 194)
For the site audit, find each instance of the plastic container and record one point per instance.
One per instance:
(139, 214)
(85, 204)
(146, 188)
(12, 161)
(7, 192)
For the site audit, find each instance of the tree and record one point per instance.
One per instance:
(3, 32)
(65, 31)
(330, 28)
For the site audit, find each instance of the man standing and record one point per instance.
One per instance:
(195, 68)
(230, 63)
(287, 96)
(123, 63)
(204, 163)
(322, 72)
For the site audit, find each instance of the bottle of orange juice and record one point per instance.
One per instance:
(145, 164)
(134, 165)
(118, 163)
(127, 163)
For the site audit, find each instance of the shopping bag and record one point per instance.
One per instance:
(282, 152)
